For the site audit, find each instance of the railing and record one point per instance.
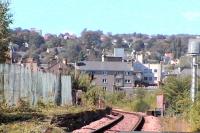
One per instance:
(119, 76)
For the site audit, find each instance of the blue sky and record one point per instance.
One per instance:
(116, 16)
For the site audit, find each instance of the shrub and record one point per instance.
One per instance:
(91, 97)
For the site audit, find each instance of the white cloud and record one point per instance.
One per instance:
(192, 15)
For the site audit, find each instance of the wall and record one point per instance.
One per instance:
(112, 78)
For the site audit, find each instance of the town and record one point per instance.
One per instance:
(96, 80)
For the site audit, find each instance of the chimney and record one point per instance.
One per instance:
(140, 58)
(103, 58)
(103, 55)
(65, 61)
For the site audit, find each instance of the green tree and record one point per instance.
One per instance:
(35, 39)
(139, 45)
(91, 38)
(5, 20)
(176, 91)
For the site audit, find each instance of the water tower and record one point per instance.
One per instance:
(194, 51)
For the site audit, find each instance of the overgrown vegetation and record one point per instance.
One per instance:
(5, 20)
(140, 101)
(27, 119)
(179, 104)
(92, 96)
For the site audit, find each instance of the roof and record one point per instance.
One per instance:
(188, 72)
(105, 66)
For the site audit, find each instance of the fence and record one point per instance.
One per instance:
(18, 82)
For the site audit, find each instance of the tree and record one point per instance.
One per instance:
(5, 20)
(176, 91)
(35, 39)
(91, 38)
(82, 56)
(139, 45)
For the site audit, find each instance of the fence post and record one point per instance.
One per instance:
(59, 89)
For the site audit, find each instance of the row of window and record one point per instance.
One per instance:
(126, 73)
(150, 70)
(129, 73)
(126, 81)
(150, 78)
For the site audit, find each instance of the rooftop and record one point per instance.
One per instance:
(102, 66)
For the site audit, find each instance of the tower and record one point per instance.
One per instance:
(194, 51)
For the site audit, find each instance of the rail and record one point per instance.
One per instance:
(138, 126)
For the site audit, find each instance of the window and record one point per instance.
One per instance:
(127, 81)
(105, 73)
(155, 70)
(118, 73)
(150, 70)
(145, 78)
(127, 73)
(104, 80)
(155, 78)
(92, 72)
(104, 88)
(117, 81)
(145, 70)
(150, 78)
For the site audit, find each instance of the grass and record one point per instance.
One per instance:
(36, 121)
(174, 124)
(140, 102)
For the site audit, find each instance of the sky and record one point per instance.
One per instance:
(115, 16)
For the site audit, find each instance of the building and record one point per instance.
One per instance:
(31, 64)
(151, 73)
(110, 76)
(119, 52)
(111, 58)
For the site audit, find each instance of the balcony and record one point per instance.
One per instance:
(119, 76)
(120, 84)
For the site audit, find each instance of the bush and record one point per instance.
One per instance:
(91, 97)
(140, 106)
(114, 98)
(140, 101)
(194, 116)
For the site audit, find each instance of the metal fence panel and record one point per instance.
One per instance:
(18, 82)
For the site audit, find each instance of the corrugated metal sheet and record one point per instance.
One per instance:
(18, 82)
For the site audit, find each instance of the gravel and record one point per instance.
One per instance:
(125, 125)
(152, 124)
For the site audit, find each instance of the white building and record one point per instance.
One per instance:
(151, 73)
(119, 52)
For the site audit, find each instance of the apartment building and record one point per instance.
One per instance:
(110, 76)
(151, 73)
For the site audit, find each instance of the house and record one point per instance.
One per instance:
(183, 72)
(151, 73)
(111, 58)
(109, 75)
(56, 66)
(30, 63)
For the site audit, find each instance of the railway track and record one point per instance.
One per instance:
(117, 121)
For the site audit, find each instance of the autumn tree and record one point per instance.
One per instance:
(5, 20)
(91, 38)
